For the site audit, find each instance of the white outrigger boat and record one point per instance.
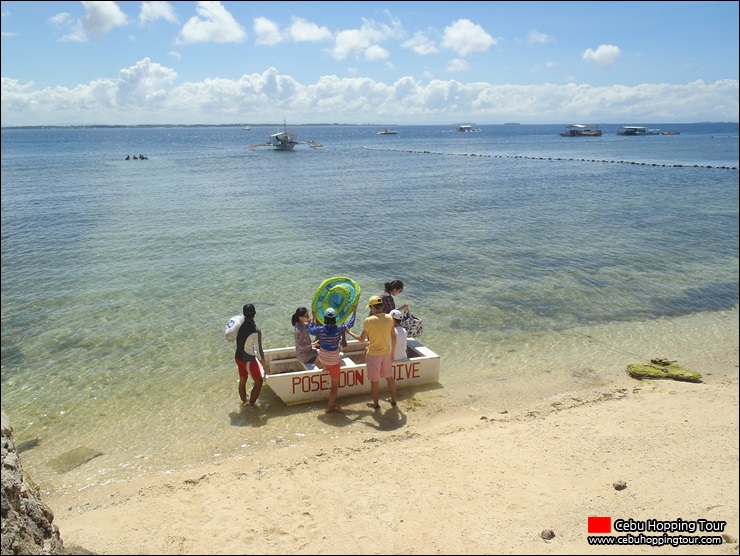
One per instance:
(296, 383)
(285, 140)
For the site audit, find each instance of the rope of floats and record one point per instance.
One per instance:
(553, 158)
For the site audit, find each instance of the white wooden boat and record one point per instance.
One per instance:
(296, 383)
(283, 140)
(387, 132)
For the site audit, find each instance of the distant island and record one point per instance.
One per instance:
(106, 126)
(253, 126)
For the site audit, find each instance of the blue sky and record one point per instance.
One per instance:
(368, 62)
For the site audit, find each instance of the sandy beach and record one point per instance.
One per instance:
(649, 451)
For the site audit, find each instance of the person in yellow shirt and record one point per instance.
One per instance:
(379, 331)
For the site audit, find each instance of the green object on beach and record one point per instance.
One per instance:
(661, 367)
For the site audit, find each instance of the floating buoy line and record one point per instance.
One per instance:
(553, 158)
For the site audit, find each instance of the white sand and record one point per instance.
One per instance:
(485, 484)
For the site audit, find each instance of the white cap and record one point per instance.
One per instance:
(330, 313)
(396, 314)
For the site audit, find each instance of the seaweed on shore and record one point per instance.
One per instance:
(660, 367)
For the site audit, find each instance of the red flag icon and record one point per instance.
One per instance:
(599, 524)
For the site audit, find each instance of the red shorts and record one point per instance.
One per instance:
(379, 366)
(254, 369)
(333, 370)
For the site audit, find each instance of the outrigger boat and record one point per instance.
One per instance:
(296, 383)
(284, 141)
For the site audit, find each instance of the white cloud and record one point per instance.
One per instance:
(350, 41)
(5, 13)
(464, 37)
(535, 37)
(148, 92)
(605, 55)
(305, 31)
(546, 65)
(62, 20)
(421, 44)
(375, 53)
(267, 32)
(143, 82)
(154, 11)
(212, 24)
(101, 17)
(357, 41)
(457, 65)
(65, 21)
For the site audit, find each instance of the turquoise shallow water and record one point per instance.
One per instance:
(538, 263)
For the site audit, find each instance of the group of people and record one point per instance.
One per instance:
(381, 329)
(140, 157)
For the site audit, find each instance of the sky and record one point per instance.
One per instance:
(404, 63)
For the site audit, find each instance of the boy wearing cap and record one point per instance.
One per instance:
(248, 347)
(401, 336)
(329, 336)
(378, 329)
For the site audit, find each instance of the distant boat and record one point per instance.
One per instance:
(387, 132)
(671, 133)
(247, 128)
(632, 130)
(466, 128)
(581, 130)
(282, 140)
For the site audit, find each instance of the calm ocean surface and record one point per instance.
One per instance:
(539, 264)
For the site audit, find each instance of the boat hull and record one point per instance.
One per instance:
(580, 130)
(294, 383)
(284, 146)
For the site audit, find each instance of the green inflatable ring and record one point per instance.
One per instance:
(340, 293)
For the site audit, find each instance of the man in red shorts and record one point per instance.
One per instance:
(248, 348)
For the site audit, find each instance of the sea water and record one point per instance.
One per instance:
(539, 265)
